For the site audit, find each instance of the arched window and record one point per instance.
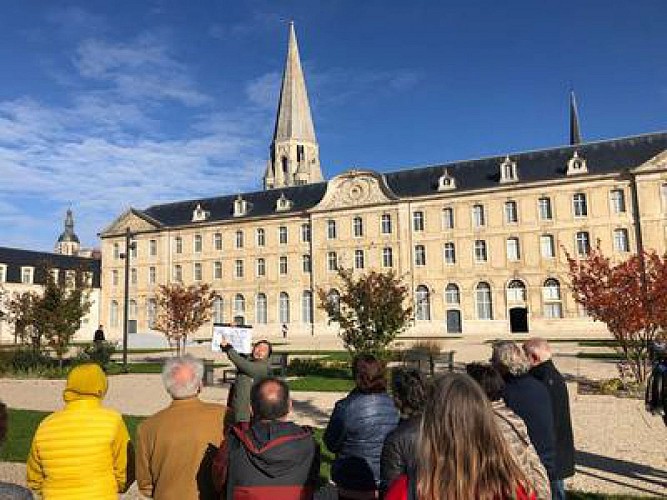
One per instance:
(307, 307)
(239, 305)
(218, 316)
(151, 312)
(516, 291)
(113, 314)
(334, 298)
(483, 300)
(452, 295)
(261, 309)
(551, 297)
(423, 304)
(283, 306)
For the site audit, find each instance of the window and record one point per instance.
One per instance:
(513, 251)
(260, 237)
(448, 218)
(483, 301)
(552, 302)
(480, 251)
(178, 273)
(358, 227)
(452, 295)
(152, 275)
(579, 205)
(544, 207)
(134, 309)
(617, 201)
(261, 309)
(621, 241)
(331, 229)
(152, 248)
(3, 273)
(113, 314)
(305, 233)
(511, 212)
(282, 235)
(583, 243)
(306, 264)
(133, 249)
(420, 255)
(198, 243)
(547, 246)
(516, 291)
(387, 257)
(114, 277)
(307, 307)
(358, 259)
(283, 308)
(450, 253)
(178, 244)
(218, 310)
(217, 270)
(418, 221)
(116, 251)
(239, 239)
(26, 275)
(422, 304)
(282, 265)
(385, 224)
(332, 261)
(334, 299)
(239, 305)
(260, 267)
(197, 271)
(133, 276)
(54, 275)
(217, 241)
(151, 312)
(238, 268)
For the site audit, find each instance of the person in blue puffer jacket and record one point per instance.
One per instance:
(358, 427)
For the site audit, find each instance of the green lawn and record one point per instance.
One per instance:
(315, 383)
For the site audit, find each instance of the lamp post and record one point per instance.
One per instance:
(129, 245)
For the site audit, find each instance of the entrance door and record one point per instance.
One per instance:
(454, 321)
(132, 326)
(519, 320)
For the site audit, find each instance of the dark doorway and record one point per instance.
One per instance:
(519, 320)
(132, 326)
(454, 321)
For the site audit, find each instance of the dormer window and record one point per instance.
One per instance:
(240, 207)
(446, 181)
(576, 165)
(283, 204)
(199, 214)
(508, 171)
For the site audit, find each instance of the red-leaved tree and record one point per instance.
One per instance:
(629, 297)
(181, 311)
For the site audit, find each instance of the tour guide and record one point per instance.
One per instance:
(247, 372)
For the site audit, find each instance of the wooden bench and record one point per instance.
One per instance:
(429, 363)
(277, 367)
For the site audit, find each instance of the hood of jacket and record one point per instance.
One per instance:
(85, 381)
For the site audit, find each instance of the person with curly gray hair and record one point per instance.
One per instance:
(529, 399)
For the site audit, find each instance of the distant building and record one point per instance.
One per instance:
(479, 242)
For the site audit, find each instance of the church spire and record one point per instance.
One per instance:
(575, 132)
(68, 242)
(294, 149)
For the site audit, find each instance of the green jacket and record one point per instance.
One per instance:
(248, 371)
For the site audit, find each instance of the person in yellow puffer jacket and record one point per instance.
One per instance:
(81, 451)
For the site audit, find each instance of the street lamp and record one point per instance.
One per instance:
(129, 245)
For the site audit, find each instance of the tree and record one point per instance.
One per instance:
(181, 311)
(371, 310)
(629, 297)
(18, 311)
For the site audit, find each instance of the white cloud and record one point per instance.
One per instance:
(264, 90)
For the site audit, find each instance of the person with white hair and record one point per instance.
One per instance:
(175, 447)
(529, 399)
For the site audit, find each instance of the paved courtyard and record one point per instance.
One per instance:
(620, 448)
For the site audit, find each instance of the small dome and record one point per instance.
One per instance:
(68, 237)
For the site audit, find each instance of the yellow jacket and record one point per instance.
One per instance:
(80, 452)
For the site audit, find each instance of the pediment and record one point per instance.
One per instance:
(658, 162)
(356, 188)
(135, 220)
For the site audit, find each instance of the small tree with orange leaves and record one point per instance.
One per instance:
(629, 297)
(181, 311)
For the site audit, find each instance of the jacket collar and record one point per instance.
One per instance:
(83, 404)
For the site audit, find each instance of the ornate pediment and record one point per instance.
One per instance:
(356, 188)
(135, 220)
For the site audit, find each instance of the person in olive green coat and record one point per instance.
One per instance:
(248, 371)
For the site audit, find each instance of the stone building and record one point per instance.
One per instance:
(480, 242)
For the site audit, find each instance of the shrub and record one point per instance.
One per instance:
(26, 359)
(99, 353)
(315, 367)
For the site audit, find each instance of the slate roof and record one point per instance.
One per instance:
(601, 157)
(15, 258)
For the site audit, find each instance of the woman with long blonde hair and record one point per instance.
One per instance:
(461, 454)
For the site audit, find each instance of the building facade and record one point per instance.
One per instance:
(481, 243)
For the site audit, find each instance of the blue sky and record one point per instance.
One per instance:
(106, 105)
